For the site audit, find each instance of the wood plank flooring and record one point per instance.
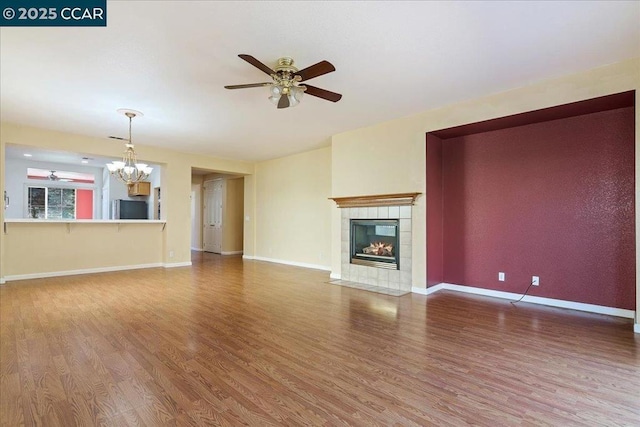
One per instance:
(228, 342)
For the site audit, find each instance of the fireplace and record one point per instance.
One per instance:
(383, 219)
(374, 242)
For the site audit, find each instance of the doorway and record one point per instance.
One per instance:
(212, 222)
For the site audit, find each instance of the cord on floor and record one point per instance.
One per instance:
(523, 295)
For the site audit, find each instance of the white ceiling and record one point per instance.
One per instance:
(18, 152)
(171, 59)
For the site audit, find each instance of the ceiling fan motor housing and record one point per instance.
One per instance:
(284, 75)
(286, 64)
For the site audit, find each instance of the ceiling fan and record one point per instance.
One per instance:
(54, 177)
(285, 88)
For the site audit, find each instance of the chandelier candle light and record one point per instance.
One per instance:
(129, 170)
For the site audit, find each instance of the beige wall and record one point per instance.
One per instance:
(47, 247)
(292, 210)
(366, 149)
(196, 223)
(397, 151)
(176, 183)
(2, 189)
(232, 215)
(249, 234)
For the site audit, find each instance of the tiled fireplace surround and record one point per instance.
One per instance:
(379, 277)
(373, 276)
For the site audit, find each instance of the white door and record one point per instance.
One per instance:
(212, 235)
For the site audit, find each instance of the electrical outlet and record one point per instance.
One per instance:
(535, 280)
(501, 276)
(171, 253)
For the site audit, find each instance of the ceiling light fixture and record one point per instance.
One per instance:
(129, 170)
(293, 93)
(285, 84)
(285, 89)
(28, 155)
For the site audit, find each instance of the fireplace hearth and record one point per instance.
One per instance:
(374, 243)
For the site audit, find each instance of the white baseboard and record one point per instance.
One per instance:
(2, 281)
(335, 276)
(46, 274)
(231, 253)
(427, 291)
(479, 291)
(294, 263)
(421, 291)
(636, 328)
(177, 264)
(197, 249)
(591, 308)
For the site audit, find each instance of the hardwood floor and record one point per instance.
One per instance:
(228, 342)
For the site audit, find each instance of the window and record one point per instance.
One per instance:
(37, 202)
(59, 203)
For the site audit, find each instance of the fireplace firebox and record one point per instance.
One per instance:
(374, 242)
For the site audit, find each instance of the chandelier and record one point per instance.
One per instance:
(129, 170)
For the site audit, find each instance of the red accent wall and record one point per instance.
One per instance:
(84, 204)
(435, 273)
(552, 199)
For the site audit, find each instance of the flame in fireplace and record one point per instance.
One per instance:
(379, 248)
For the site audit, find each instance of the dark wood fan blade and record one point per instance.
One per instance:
(322, 67)
(283, 102)
(247, 85)
(322, 93)
(253, 61)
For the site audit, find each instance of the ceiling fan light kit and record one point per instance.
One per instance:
(285, 89)
(292, 93)
(129, 170)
